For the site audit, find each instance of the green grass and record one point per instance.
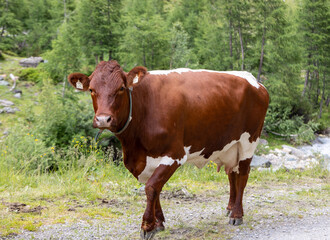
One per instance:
(57, 192)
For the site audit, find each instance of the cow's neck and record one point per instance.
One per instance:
(129, 136)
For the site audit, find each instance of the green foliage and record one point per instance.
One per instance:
(288, 43)
(1, 56)
(30, 75)
(145, 37)
(181, 55)
(306, 133)
(61, 118)
(65, 55)
(52, 138)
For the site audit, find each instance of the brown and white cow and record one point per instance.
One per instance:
(164, 119)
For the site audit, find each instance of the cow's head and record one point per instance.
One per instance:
(109, 87)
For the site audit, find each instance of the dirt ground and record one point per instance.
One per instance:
(272, 211)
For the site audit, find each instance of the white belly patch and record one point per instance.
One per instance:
(230, 156)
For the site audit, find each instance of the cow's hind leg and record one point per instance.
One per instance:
(237, 185)
(232, 196)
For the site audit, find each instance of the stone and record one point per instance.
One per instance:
(9, 110)
(2, 78)
(17, 95)
(18, 91)
(260, 161)
(5, 103)
(263, 141)
(4, 83)
(31, 62)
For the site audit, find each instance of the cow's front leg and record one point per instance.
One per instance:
(160, 219)
(153, 216)
(239, 182)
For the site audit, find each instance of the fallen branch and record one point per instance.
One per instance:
(14, 80)
(283, 135)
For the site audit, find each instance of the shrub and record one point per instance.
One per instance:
(62, 119)
(1, 56)
(30, 75)
(58, 137)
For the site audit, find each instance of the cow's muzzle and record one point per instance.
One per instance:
(102, 121)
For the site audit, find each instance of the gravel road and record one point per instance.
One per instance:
(202, 217)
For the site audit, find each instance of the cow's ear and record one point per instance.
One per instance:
(79, 81)
(135, 75)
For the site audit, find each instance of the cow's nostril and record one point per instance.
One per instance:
(109, 119)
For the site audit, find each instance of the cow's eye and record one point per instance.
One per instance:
(121, 89)
(91, 90)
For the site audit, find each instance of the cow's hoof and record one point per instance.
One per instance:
(148, 235)
(228, 213)
(235, 221)
(160, 228)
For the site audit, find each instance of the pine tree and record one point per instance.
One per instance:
(12, 18)
(145, 38)
(65, 56)
(315, 22)
(180, 54)
(95, 23)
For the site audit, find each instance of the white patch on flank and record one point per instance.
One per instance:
(136, 79)
(243, 74)
(230, 155)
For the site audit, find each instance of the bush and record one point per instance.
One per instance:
(1, 56)
(62, 119)
(30, 75)
(58, 137)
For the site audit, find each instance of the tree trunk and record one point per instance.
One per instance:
(101, 57)
(307, 75)
(231, 43)
(323, 96)
(306, 82)
(64, 83)
(327, 101)
(96, 59)
(110, 55)
(242, 48)
(64, 10)
(144, 56)
(110, 33)
(317, 83)
(262, 52)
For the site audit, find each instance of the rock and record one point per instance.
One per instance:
(31, 62)
(260, 161)
(140, 190)
(4, 83)
(287, 150)
(298, 153)
(5, 103)
(18, 91)
(17, 95)
(9, 110)
(6, 133)
(2, 78)
(263, 142)
(290, 158)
